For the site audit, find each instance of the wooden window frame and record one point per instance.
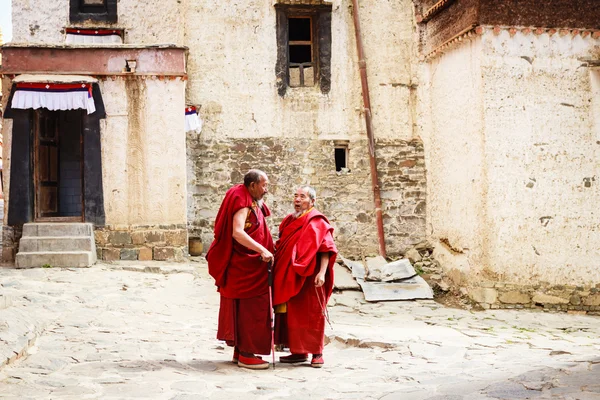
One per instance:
(80, 12)
(320, 16)
(314, 52)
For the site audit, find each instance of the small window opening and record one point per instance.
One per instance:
(93, 6)
(93, 10)
(341, 158)
(301, 52)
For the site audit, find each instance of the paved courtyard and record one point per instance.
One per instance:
(147, 331)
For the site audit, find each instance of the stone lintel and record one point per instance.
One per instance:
(95, 61)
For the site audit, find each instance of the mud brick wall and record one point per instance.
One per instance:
(142, 242)
(346, 198)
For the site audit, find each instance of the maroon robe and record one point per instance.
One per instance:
(241, 276)
(297, 263)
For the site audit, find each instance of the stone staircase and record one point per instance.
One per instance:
(60, 244)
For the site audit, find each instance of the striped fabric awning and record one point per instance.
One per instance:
(54, 96)
(93, 36)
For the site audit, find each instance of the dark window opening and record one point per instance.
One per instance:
(301, 50)
(93, 10)
(299, 29)
(93, 6)
(341, 158)
(300, 54)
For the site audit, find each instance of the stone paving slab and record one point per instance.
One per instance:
(344, 279)
(5, 301)
(112, 332)
(18, 332)
(410, 289)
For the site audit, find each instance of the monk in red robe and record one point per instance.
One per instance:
(237, 260)
(303, 279)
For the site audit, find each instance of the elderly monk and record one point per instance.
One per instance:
(303, 279)
(237, 260)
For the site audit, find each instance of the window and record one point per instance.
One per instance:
(340, 152)
(93, 10)
(301, 52)
(341, 158)
(303, 47)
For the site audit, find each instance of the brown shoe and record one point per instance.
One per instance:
(294, 358)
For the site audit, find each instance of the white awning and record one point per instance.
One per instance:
(54, 92)
(93, 36)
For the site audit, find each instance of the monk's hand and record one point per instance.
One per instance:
(266, 255)
(319, 280)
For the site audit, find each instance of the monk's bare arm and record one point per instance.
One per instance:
(320, 278)
(240, 236)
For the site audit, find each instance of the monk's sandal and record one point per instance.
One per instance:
(294, 358)
(317, 361)
(252, 362)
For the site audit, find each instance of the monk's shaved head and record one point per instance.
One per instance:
(254, 176)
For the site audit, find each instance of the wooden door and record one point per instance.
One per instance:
(46, 163)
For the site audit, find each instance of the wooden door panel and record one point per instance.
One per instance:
(42, 164)
(48, 200)
(53, 165)
(46, 159)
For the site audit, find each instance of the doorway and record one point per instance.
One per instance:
(58, 166)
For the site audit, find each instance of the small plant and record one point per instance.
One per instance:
(523, 329)
(46, 266)
(419, 269)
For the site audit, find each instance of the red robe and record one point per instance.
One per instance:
(241, 276)
(297, 262)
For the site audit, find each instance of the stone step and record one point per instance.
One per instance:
(36, 259)
(54, 229)
(56, 243)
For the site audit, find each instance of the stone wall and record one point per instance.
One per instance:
(10, 242)
(569, 298)
(232, 77)
(142, 242)
(344, 197)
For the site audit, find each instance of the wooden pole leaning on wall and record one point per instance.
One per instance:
(362, 64)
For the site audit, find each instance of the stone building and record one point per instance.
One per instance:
(484, 115)
(508, 113)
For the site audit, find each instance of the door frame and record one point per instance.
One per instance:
(35, 168)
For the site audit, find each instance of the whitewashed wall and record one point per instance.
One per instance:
(512, 146)
(143, 140)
